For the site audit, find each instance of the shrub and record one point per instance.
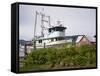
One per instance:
(50, 58)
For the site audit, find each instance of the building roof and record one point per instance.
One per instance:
(77, 38)
(91, 39)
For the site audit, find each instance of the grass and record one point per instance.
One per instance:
(60, 58)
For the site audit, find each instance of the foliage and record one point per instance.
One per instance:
(60, 58)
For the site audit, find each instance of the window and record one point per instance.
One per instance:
(40, 41)
(56, 39)
(60, 38)
(52, 39)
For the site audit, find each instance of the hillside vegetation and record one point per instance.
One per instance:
(60, 58)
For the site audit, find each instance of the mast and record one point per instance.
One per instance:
(49, 21)
(43, 16)
(42, 25)
(44, 19)
(34, 41)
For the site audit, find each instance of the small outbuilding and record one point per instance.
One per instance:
(82, 40)
(79, 40)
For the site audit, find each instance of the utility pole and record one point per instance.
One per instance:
(34, 40)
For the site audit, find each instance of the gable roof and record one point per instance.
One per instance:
(91, 39)
(79, 38)
(75, 38)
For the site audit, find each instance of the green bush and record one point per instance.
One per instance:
(57, 58)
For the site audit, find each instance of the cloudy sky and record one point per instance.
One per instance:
(79, 21)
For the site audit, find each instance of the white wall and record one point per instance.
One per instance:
(5, 30)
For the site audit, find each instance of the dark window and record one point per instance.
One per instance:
(52, 39)
(49, 30)
(56, 39)
(56, 29)
(59, 29)
(61, 38)
(40, 41)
